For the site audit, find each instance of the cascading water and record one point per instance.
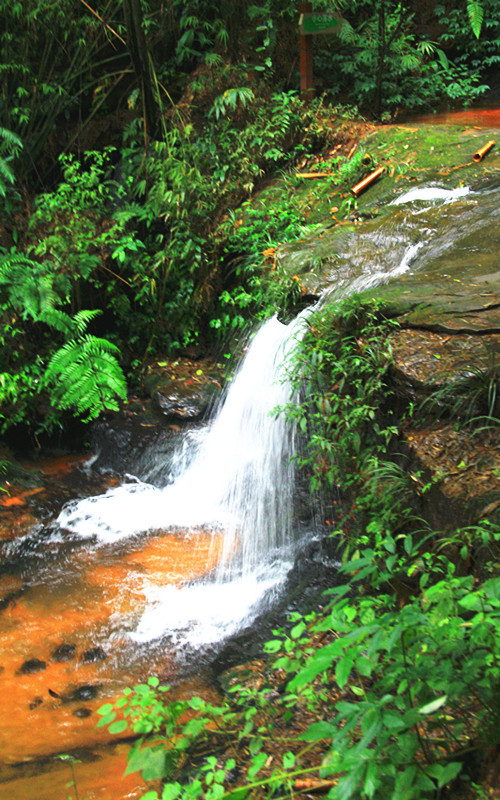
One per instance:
(235, 477)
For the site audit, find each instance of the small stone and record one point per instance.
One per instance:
(31, 666)
(65, 652)
(93, 655)
(86, 692)
(35, 703)
(82, 713)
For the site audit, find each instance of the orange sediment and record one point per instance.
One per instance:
(49, 704)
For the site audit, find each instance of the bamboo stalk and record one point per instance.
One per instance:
(366, 182)
(313, 174)
(480, 154)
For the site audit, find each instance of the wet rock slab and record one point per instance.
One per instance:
(184, 389)
(464, 467)
(452, 303)
(425, 361)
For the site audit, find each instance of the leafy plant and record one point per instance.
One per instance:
(84, 374)
(389, 63)
(10, 145)
(472, 394)
(402, 699)
(425, 683)
(342, 360)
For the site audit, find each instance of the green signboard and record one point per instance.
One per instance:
(319, 23)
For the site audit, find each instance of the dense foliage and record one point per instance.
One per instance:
(129, 133)
(395, 55)
(391, 690)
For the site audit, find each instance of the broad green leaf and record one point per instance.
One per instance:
(343, 669)
(318, 731)
(430, 708)
(257, 764)
(119, 726)
(444, 773)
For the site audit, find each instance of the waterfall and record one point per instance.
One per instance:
(235, 477)
(238, 475)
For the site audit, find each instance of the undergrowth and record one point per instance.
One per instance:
(391, 692)
(138, 234)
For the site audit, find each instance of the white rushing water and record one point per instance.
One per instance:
(237, 476)
(430, 193)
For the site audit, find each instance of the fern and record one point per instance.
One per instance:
(475, 12)
(58, 320)
(84, 374)
(82, 319)
(11, 144)
(29, 285)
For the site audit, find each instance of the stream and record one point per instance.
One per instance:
(155, 573)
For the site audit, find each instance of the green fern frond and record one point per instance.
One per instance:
(29, 284)
(475, 12)
(11, 260)
(6, 176)
(63, 361)
(96, 346)
(58, 320)
(85, 375)
(10, 144)
(346, 32)
(84, 317)
(11, 139)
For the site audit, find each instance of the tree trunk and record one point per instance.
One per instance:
(137, 46)
(380, 57)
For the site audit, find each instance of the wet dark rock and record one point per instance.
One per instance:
(464, 300)
(125, 444)
(250, 674)
(93, 655)
(86, 692)
(65, 652)
(31, 666)
(82, 713)
(185, 389)
(184, 403)
(9, 598)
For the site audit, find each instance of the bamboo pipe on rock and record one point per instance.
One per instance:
(480, 154)
(366, 182)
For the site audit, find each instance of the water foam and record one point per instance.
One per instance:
(429, 193)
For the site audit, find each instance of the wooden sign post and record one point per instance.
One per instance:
(311, 25)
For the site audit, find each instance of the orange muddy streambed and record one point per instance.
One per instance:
(475, 117)
(62, 655)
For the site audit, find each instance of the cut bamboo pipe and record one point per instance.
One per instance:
(480, 154)
(366, 182)
(313, 174)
